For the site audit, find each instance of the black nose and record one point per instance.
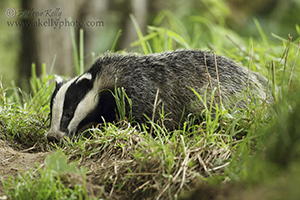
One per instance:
(52, 139)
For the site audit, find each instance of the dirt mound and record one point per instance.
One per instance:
(117, 171)
(13, 162)
(124, 165)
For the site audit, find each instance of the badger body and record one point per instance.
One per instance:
(85, 100)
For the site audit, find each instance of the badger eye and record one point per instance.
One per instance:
(68, 114)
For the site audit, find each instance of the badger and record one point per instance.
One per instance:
(179, 75)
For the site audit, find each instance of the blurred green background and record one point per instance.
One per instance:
(204, 23)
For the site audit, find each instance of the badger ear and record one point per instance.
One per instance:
(86, 76)
(58, 80)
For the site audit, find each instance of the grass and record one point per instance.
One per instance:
(119, 160)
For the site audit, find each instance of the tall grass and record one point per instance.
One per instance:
(25, 115)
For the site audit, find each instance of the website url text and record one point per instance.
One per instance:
(56, 23)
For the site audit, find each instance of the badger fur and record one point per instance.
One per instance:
(85, 100)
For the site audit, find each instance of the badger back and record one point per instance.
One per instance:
(76, 105)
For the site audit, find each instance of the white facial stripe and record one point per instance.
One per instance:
(87, 76)
(88, 103)
(58, 104)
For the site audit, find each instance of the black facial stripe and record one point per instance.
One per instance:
(74, 95)
(106, 108)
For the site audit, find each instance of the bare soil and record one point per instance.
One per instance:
(13, 162)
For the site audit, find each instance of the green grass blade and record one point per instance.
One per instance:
(116, 40)
(261, 32)
(81, 52)
(75, 49)
(140, 34)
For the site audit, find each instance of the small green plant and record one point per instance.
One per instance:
(57, 163)
(121, 98)
(52, 182)
(122, 102)
(55, 181)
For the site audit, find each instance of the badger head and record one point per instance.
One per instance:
(77, 105)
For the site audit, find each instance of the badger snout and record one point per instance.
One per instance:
(54, 136)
